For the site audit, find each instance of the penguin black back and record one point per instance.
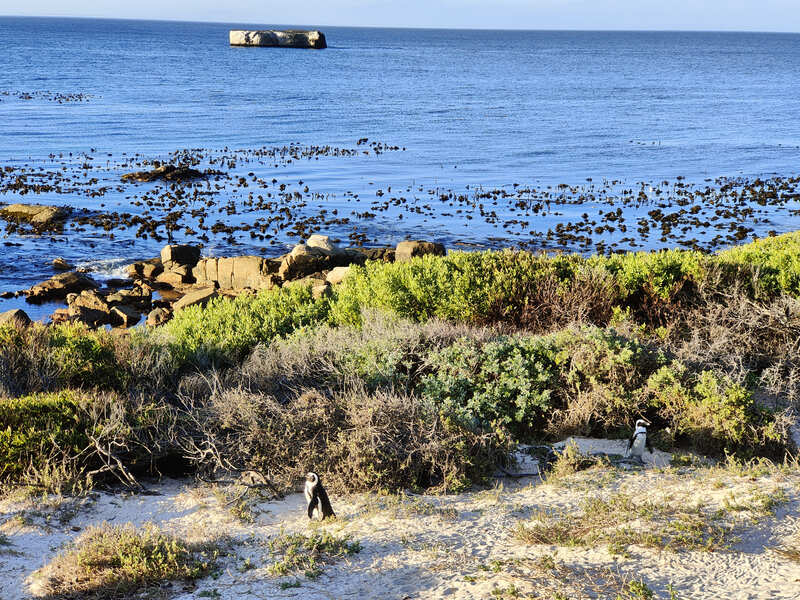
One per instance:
(317, 497)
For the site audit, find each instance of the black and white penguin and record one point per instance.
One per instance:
(317, 498)
(638, 441)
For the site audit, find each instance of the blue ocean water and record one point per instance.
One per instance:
(472, 110)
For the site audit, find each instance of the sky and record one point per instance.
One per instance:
(737, 15)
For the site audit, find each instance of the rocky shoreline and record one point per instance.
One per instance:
(181, 277)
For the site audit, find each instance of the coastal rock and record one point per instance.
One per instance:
(148, 269)
(171, 278)
(322, 243)
(158, 316)
(381, 254)
(288, 39)
(178, 255)
(201, 297)
(88, 316)
(168, 172)
(337, 275)
(237, 272)
(35, 214)
(15, 317)
(123, 316)
(138, 297)
(58, 286)
(61, 265)
(302, 261)
(89, 299)
(405, 251)
(60, 315)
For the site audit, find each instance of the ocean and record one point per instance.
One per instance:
(574, 141)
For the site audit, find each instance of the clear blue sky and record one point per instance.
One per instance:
(747, 15)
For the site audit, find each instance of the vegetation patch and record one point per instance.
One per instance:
(619, 522)
(298, 553)
(110, 562)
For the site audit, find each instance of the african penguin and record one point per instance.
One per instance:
(639, 441)
(317, 498)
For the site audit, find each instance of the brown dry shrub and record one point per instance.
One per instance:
(356, 440)
(732, 332)
(548, 303)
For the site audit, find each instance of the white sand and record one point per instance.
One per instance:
(459, 546)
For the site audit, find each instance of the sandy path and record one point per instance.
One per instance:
(459, 547)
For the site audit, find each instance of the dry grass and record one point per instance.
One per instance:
(110, 562)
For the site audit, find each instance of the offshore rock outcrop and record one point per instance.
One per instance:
(286, 39)
(181, 278)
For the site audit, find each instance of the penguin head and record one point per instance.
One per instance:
(642, 423)
(312, 478)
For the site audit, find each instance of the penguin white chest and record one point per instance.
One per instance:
(638, 444)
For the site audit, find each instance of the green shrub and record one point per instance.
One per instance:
(85, 358)
(226, 329)
(34, 429)
(777, 260)
(663, 271)
(715, 414)
(298, 553)
(507, 382)
(579, 380)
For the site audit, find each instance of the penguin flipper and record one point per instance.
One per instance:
(312, 504)
(647, 445)
(325, 503)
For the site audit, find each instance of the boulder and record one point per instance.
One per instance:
(302, 261)
(179, 255)
(35, 214)
(194, 298)
(89, 299)
(237, 272)
(124, 316)
(60, 264)
(138, 297)
(58, 286)
(158, 316)
(336, 275)
(148, 269)
(320, 289)
(88, 316)
(382, 254)
(171, 279)
(322, 243)
(405, 251)
(167, 172)
(60, 315)
(15, 317)
(291, 38)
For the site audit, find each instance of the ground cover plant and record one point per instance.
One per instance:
(420, 374)
(108, 562)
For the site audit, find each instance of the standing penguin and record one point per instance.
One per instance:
(317, 498)
(638, 441)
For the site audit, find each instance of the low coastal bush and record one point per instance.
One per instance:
(361, 441)
(47, 359)
(64, 441)
(226, 329)
(37, 429)
(108, 562)
(590, 381)
(772, 262)
(298, 553)
(428, 369)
